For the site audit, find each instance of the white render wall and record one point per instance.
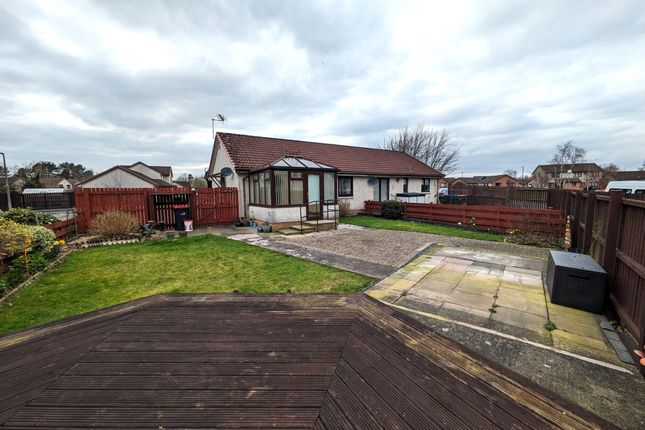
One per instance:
(151, 173)
(117, 179)
(364, 191)
(275, 215)
(286, 214)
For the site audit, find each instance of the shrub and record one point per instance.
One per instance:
(392, 209)
(28, 216)
(343, 208)
(42, 239)
(113, 223)
(534, 239)
(13, 237)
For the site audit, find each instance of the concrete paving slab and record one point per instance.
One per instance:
(475, 301)
(522, 301)
(436, 284)
(430, 262)
(518, 318)
(410, 274)
(475, 285)
(444, 274)
(484, 272)
(492, 257)
(576, 321)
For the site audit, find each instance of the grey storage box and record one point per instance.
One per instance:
(576, 281)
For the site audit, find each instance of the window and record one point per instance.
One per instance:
(345, 186)
(281, 187)
(405, 185)
(425, 185)
(262, 192)
(329, 187)
(296, 189)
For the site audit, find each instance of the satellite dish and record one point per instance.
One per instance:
(226, 171)
(372, 181)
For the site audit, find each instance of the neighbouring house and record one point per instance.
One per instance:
(579, 176)
(627, 175)
(137, 175)
(58, 182)
(16, 183)
(482, 181)
(280, 179)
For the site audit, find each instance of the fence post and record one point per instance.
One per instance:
(575, 219)
(589, 217)
(612, 230)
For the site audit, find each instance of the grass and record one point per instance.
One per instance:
(98, 277)
(420, 227)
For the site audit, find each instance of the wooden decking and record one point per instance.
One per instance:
(280, 361)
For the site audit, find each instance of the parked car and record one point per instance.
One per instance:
(629, 187)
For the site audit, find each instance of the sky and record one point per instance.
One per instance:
(114, 82)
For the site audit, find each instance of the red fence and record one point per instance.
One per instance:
(611, 228)
(527, 198)
(494, 218)
(209, 206)
(63, 228)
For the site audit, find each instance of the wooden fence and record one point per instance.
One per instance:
(611, 228)
(63, 228)
(490, 218)
(208, 206)
(39, 201)
(527, 198)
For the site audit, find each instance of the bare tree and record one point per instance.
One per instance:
(566, 155)
(436, 148)
(642, 166)
(511, 172)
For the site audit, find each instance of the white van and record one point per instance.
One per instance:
(629, 187)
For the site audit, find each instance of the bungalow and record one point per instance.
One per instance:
(279, 180)
(137, 175)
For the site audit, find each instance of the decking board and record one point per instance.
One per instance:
(245, 361)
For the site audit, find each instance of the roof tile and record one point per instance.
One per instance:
(254, 152)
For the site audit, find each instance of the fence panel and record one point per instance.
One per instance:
(208, 206)
(495, 218)
(527, 198)
(215, 206)
(63, 228)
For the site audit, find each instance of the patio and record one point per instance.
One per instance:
(281, 361)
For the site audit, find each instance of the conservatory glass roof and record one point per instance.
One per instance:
(298, 163)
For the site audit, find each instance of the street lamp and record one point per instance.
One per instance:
(6, 180)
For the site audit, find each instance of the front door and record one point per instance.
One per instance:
(314, 206)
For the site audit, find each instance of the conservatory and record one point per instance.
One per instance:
(289, 190)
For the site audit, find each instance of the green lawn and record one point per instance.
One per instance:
(98, 277)
(390, 224)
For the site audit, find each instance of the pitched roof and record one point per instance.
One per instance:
(152, 181)
(163, 170)
(479, 180)
(632, 175)
(297, 361)
(575, 168)
(50, 181)
(254, 152)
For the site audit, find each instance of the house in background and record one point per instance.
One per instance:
(481, 181)
(137, 175)
(278, 179)
(58, 182)
(579, 176)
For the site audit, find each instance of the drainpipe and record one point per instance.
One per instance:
(6, 180)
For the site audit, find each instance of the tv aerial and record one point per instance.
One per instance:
(219, 118)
